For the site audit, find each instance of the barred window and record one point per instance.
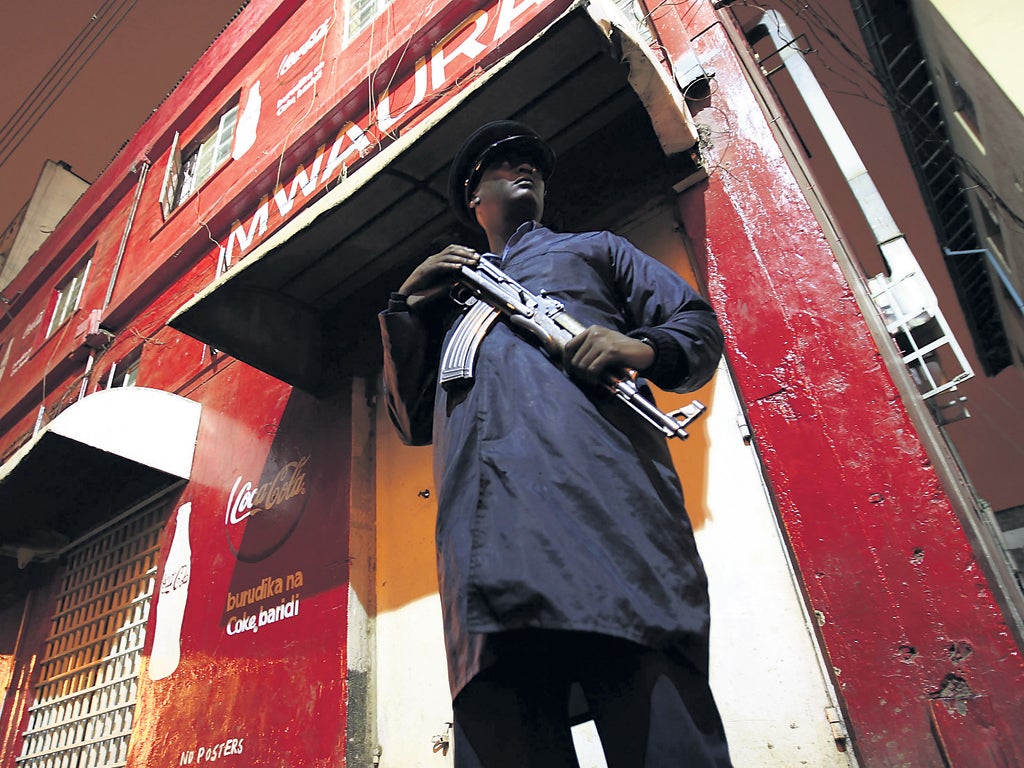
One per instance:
(360, 14)
(85, 699)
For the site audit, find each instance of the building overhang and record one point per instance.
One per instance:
(99, 457)
(299, 305)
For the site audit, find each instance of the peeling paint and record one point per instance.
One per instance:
(837, 444)
(907, 654)
(960, 651)
(954, 692)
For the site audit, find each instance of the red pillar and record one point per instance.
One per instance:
(921, 652)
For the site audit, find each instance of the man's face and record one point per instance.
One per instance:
(510, 187)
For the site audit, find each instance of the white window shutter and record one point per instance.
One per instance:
(81, 284)
(172, 177)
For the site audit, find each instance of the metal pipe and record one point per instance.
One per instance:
(936, 441)
(906, 289)
(883, 226)
(143, 173)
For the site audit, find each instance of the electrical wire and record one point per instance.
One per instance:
(51, 73)
(425, 8)
(42, 98)
(980, 182)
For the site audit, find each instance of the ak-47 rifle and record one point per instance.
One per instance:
(490, 293)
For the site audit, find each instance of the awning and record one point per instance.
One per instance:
(107, 452)
(299, 304)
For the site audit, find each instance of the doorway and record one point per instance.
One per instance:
(773, 691)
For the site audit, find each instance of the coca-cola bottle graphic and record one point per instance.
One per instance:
(170, 607)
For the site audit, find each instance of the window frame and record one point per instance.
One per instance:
(190, 168)
(963, 104)
(992, 230)
(352, 32)
(64, 302)
(128, 367)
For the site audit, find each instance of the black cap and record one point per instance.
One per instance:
(484, 143)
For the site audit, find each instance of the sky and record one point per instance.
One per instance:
(128, 54)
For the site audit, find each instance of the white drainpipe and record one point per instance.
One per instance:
(904, 297)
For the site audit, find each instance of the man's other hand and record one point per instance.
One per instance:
(599, 355)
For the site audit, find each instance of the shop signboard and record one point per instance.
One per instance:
(246, 660)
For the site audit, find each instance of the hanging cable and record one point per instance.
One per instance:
(60, 76)
(52, 72)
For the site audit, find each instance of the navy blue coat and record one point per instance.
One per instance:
(558, 506)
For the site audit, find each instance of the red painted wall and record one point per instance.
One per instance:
(350, 99)
(268, 529)
(263, 637)
(907, 618)
(919, 649)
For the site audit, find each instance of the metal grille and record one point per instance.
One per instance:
(889, 31)
(634, 12)
(362, 12)
(85, 699)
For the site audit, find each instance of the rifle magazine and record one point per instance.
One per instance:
(458, 363)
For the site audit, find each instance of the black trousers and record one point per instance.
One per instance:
(651, 711)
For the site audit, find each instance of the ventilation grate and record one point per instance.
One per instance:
(85, 698)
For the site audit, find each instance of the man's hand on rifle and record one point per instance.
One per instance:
(599, 355)
(436, 275)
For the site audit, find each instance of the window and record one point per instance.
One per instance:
(66, 298)
(360, 14)
(635, 13)
(123, 374)
(963, 104)
(186, 171)
(85, 699)
(1011, 526)
(991, 229)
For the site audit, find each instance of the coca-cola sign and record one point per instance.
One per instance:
(261, 515)
(292, 58)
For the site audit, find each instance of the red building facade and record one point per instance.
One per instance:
(229, 264)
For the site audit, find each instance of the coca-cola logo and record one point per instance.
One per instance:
(260, 516)
(175, 580)
(291, 59)
(248, 500)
